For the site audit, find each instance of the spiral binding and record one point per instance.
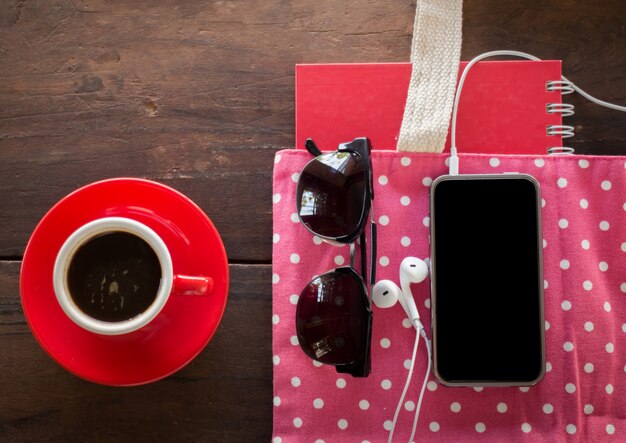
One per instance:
(566, 110)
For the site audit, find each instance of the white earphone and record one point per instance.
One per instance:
(386, 293)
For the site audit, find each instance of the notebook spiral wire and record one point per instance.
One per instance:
(566, 110)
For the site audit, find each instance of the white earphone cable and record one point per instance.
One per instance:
(406, 387)
(421, 397)
(454, 161)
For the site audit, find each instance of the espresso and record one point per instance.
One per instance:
(114, 277)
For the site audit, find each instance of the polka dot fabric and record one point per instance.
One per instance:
(582, 396)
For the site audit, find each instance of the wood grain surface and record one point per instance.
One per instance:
(199, 95)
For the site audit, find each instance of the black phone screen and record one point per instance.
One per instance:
(487, 288)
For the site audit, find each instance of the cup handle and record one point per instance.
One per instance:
(188, 285)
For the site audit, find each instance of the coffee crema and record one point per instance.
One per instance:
(114, 277)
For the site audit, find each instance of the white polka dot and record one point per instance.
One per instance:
(624, 328)
(316, 363)
(548, 366)
(561, 182)
(606, 185)
(276, 198)
(339, 260)
(584, 204)
(494, 162)
(604, 225)
(480, 427)
(427, 303)
(526, 428)
(564, 264)
(587, 285)
(295, 218)
(524, 389)
(434, 426)
(341, 383)
(588, 409)
(426, 221)
(447, 161)
(539, 162)
(585, 244)
(566, 305)
(624, 247)
(502, 408)
(405, 241)
(319, 440)
(276, 401)
(607, 306)
(568, 346)
(570, 388)
(295, 382)
(275, 238)
(293, 299)
(385, 343)
(275, 319)
(405, 200)
(610, 429)
(383, 220)
(427, 181)
(583, 164)
(297, 422)
(588, 326)
(548, 408)
(384, 261)
(275, 278)
(409, 406)
(432, 386)
(295, 177)
(407, 323)
(547, 325)
(294, 258)
(293, 340)
(407, 363)
(405, 161)
(570, 429)
(387, 425)
(364, 405)
(563, 223)
(318, 403)
(545, 243)
(478, 389)
(385, 384)
(277, 158)
(343, 424)
(610, 347)
(455, 407)
(276, 360)
(624, 206)
(604, 266)
(383, 180)
(317, 240)
(543, 202)
(588, 368)
(622, 287)
(545, 284)
(277, 440)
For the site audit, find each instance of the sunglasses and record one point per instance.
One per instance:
(334, 201)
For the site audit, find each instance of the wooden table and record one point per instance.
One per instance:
(199, 96)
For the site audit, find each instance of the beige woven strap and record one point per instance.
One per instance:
(435, 54)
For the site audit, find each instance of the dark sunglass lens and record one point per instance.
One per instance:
(331, 194)
(332, 317)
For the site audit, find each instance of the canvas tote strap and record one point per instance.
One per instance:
(435, 53)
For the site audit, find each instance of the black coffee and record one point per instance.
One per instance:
(114, 277)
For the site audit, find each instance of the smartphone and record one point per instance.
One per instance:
(487, 280)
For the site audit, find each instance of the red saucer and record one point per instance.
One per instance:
(183, 327)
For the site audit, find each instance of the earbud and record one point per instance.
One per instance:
(386, 293)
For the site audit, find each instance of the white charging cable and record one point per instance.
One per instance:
(454, 160)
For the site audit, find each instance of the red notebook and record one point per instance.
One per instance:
(502, 108)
